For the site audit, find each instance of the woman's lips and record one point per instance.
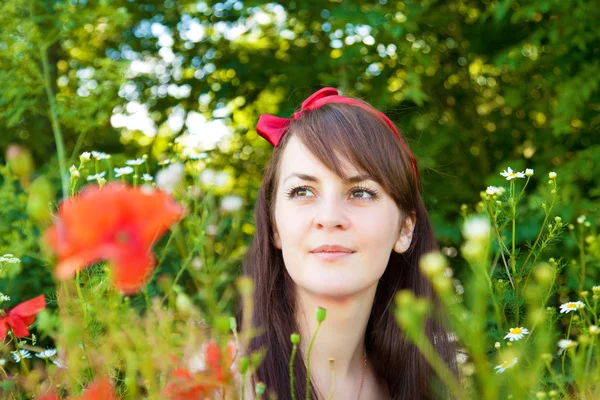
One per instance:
(331, 255)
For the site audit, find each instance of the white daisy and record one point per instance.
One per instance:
(231, 203)
(21, 354)
(4, 297)
(571, 306)
(96, 177)
(137, 161)
(516, 333)
(147, 178)
(123, 171)
(495, 190)
(74, 172)
(505, 365)
(552, 175)
(565, 344)
(168, 178)
(59, 363)
(99, 155)
(529, 172)
(85, 156)
(46, 353)
(510, 175)
(9, 258)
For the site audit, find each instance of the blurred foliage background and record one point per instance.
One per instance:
(475, 86)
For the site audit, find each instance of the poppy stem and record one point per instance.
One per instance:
(54, 120)
(18, 350)
(312, 340)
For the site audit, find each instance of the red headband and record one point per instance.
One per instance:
(274, 128)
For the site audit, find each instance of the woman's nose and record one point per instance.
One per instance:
(331, 214)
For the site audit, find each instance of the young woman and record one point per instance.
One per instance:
(340, 224)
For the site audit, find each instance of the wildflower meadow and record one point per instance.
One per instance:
(130, 167)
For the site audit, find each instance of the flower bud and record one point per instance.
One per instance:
(260, 388)
(74, 172)
(497, 345)
(529, 172)
(295, 338)
(245, 285)
(233, 324)
(546, 357)
(321, 313)
(221, 324)
(432, 264)
(552, 175)
(244, 364)
(183, 304)
(594, 330)
(20, 161)
(477, 228)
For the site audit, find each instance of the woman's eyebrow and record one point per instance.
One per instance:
(310, 178)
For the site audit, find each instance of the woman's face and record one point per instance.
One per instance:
(314, 207)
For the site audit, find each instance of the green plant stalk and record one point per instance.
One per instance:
(24, 367)
(332, 382)
(565, 350)
(502, 244)
(292, 388)
(312, 340)
(581, 256)
(513, 260)
(588, 358)
(556, 380)
(543, 226)
(81, 299)
(54, 120)
(438, 365)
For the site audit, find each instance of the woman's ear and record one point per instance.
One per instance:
(406, 233)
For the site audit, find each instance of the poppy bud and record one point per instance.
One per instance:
(260, 388)
(20, 162)
(321, 314)
(244, 364)
(295, 338)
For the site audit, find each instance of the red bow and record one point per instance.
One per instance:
(274, 128)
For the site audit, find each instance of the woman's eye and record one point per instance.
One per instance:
(299, 192)
(363, 194)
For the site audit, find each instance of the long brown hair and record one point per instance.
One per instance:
(334, 132)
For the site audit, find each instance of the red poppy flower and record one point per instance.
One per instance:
(186, 385)
(117, 223)
(100, 389)
(20, 317)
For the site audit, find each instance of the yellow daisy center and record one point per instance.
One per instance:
(505, 364)
(515, 331)
(572, 305)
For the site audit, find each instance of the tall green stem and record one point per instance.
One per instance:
(58, 137)
(312, 340)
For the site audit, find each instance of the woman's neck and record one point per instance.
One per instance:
(340, 337)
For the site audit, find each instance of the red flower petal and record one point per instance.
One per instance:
(29, 308)
(21, 316)
(3, 328)
(130, 221)
(100, 389)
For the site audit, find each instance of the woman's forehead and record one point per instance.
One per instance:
(298, 160)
